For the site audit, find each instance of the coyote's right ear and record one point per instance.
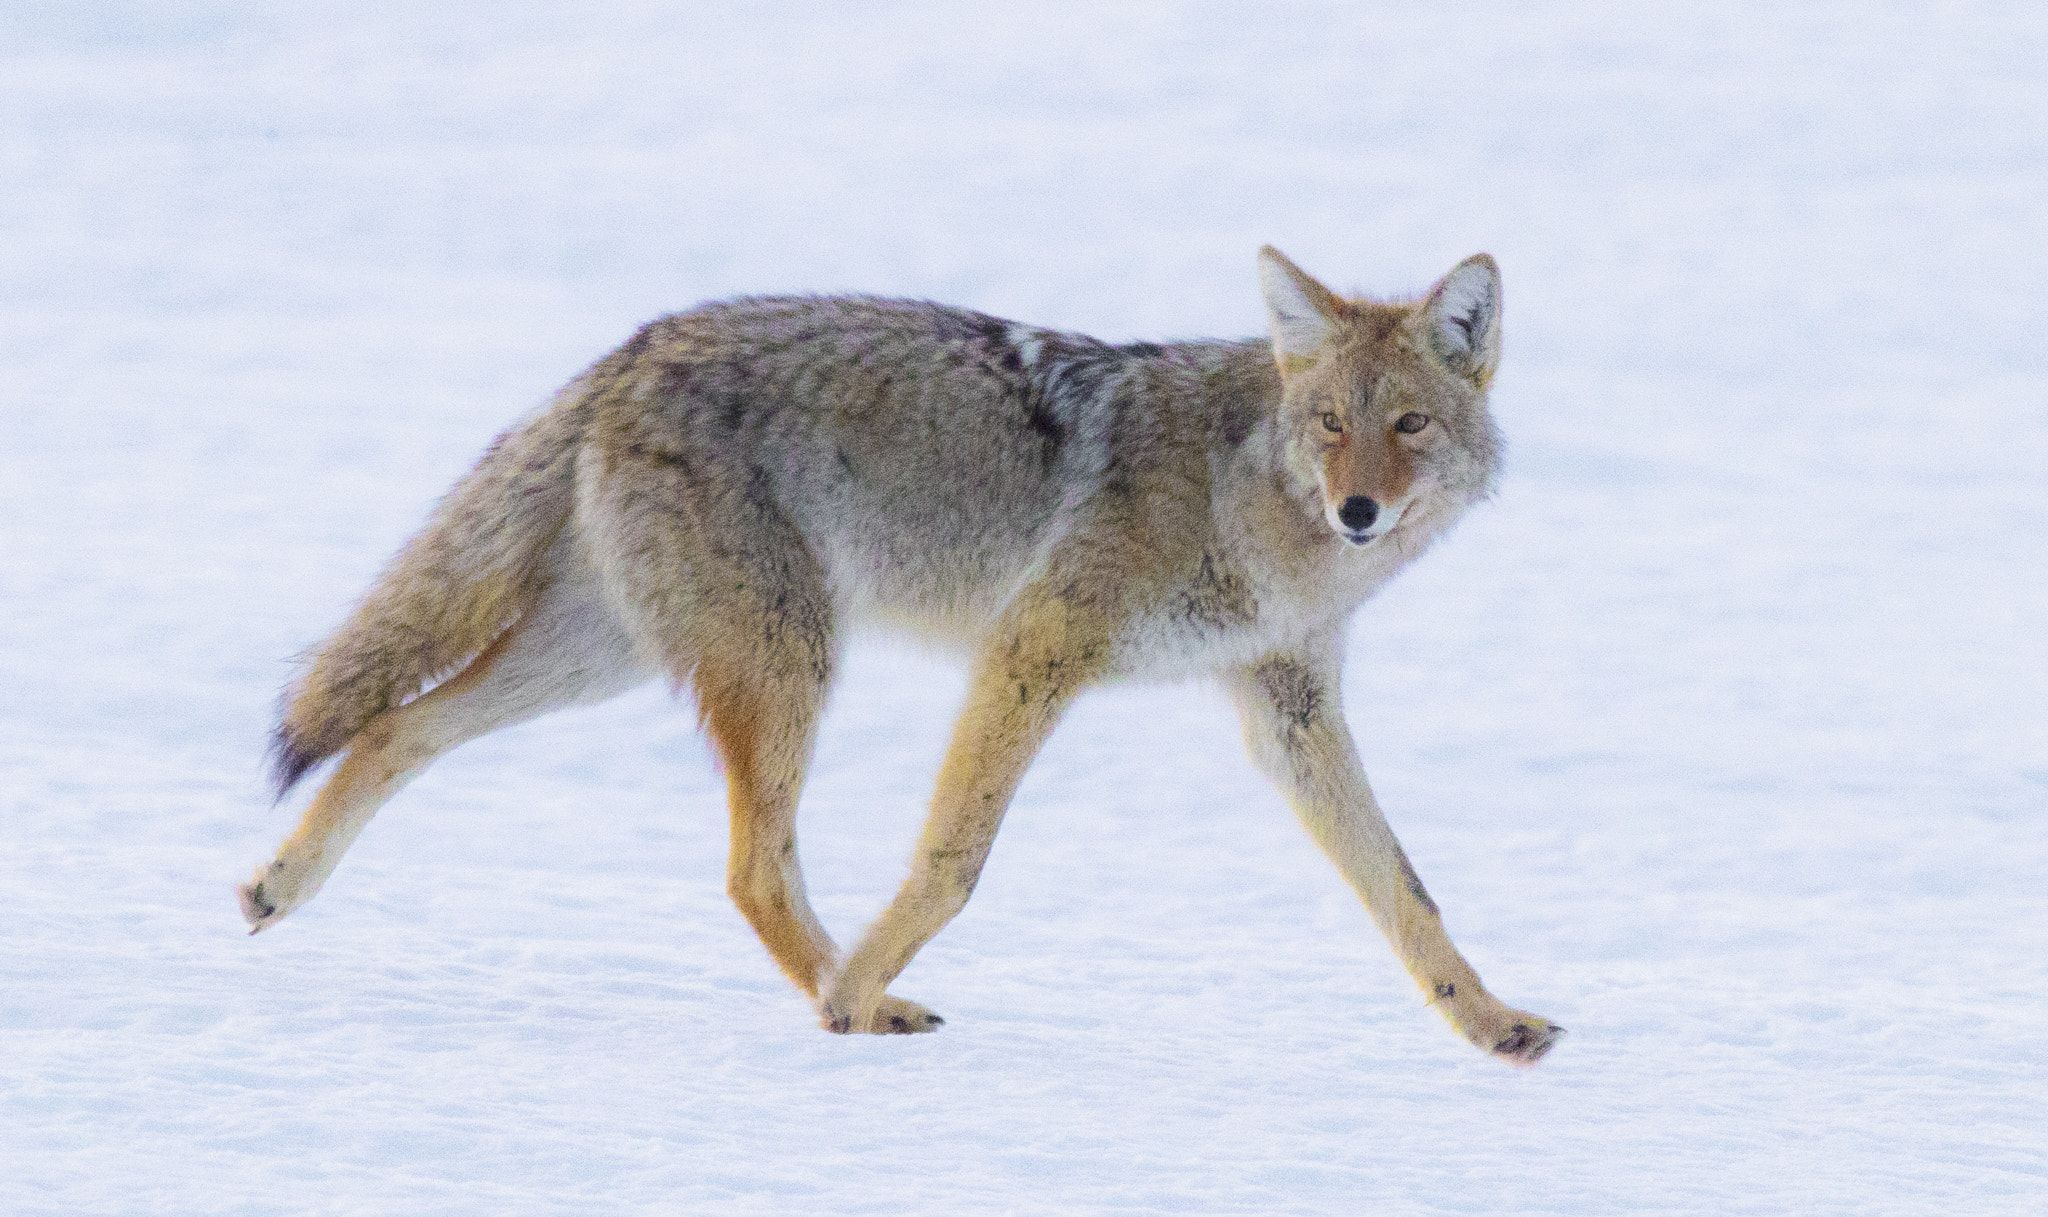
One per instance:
(1301, 314)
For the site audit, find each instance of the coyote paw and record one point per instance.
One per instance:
(1515, 1036)
(893, 1016)
(263, 905)
(1526, 1040)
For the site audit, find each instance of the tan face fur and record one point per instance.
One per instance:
(1383, 418)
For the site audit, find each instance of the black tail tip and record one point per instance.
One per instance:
(288, 762)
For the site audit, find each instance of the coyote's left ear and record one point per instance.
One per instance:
(1462, 318)
(1301, 313)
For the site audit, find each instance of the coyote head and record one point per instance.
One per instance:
(1383, 414)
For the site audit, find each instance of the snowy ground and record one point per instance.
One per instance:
(1719, 736)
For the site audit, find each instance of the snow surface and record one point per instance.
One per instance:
(1719, 736)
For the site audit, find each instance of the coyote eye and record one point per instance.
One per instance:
(1409, 424)
(1332, 423)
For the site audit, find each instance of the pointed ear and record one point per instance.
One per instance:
(1462, 318)
(1301, 314)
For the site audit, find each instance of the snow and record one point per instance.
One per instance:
(1719, 736)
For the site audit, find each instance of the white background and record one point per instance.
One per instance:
(1719, 735)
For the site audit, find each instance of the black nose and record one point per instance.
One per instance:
(1358, 512)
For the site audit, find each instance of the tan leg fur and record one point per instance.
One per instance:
(764, 731)
(1294, 728)
(1020, 686)
(567, 651)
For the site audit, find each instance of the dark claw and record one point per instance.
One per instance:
(1526, 1043)
(934, 1020)
(255, 903)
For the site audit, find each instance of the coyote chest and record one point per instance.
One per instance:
(1177, 618)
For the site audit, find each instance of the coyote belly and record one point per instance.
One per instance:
(720, 500)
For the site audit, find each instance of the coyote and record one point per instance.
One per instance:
(715, 502)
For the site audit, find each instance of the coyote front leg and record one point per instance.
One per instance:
(1017, 693)
(1294, 728)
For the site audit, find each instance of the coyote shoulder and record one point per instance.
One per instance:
(718, 501)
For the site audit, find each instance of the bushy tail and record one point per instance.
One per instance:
(478, 564)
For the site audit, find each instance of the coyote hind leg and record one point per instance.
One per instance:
(722, 587)
(569, 650)
(764, 723)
